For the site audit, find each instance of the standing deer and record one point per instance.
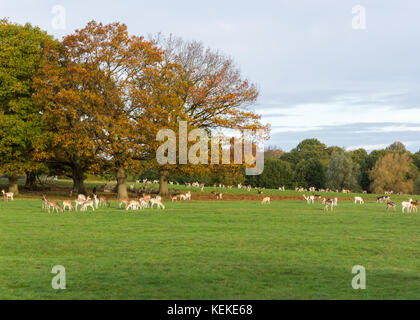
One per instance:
(67, 204)
(7, 195)
(390, 204)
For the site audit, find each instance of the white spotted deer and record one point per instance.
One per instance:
(54, 205)
(67, 204)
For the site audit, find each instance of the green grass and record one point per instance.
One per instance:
(210, 250)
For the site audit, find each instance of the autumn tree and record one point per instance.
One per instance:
(21, 126)
(215, 95)
(100, 99)
(395, 172)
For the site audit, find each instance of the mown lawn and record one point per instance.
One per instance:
(210, 250)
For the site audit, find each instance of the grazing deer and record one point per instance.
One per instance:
(123, 201)
(158, 202)
(390, 204)
(358, 199)
(146, 199)
(87, 203)
(67, 204)
(77, 203)
(103, 200)
(186, 196)
(174, 198)
(218, 195)
(7, 195)
(266, 200)
(54, 205)
(133, 205)
(382, 199)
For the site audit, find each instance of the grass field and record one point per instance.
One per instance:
(210, 250)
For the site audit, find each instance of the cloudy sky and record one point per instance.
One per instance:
(318, 76)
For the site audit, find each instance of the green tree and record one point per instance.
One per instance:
(310, 173)
(342, 172)
(397, 147)
(305, 150)
(21, 127)
(276, 173)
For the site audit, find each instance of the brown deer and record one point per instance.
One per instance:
(67, 204)
(54, 205)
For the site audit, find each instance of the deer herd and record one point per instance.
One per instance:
(147, 201)
(86, 202)
(329, 203)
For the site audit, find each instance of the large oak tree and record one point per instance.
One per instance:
(22, 130)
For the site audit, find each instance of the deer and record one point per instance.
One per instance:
(174, 198)
(96, 201)
(103, 200)
(7, 195)
(44, 204)
(186, 196)
(414, 205)
(266, 200)
(77, 203)
(406, 205)
(67, 204)
(81, 197)
(390, 204)
(54, 205)
(358, 199)
(218, 195)
(133, 205)
(328, 203)
(158, 202)
(87, 203)
(309, 199)
(123, 201)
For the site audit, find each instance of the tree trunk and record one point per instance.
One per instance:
(30, 180)
(13, 184)
(163, 184)
(122, 183)
(78, 180)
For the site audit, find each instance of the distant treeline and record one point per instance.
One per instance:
(313, 164)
